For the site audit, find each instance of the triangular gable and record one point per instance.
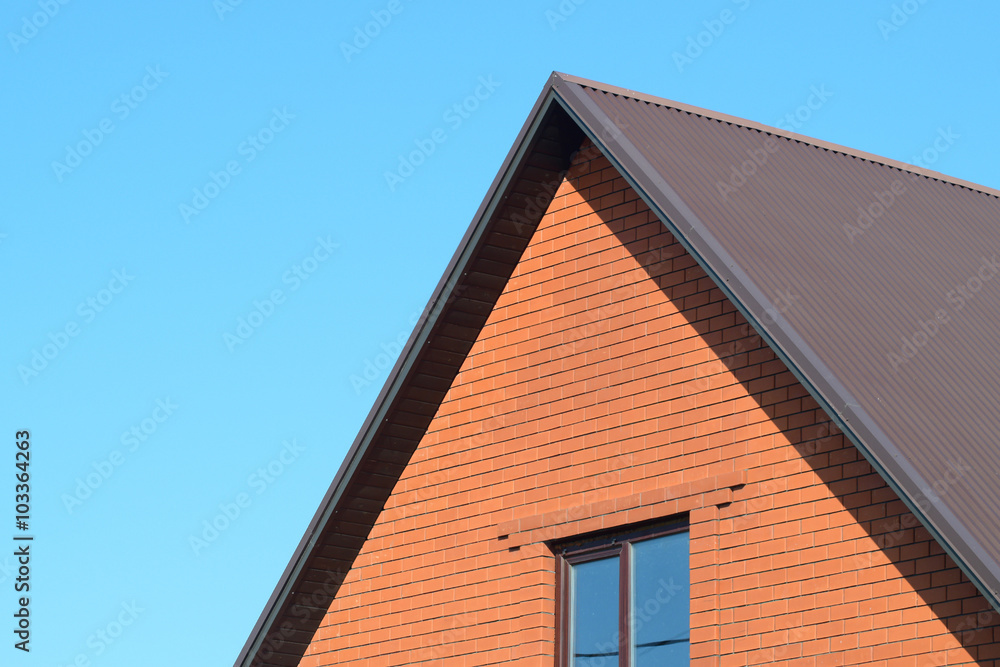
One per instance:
(669, 154)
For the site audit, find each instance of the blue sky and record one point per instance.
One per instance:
(204, 250)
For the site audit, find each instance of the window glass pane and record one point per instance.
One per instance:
(661, 594)
(663, 656)
(595, 613)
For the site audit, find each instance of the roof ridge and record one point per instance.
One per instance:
(779, 132)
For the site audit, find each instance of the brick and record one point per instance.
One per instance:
(597, 396)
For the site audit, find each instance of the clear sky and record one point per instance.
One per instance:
(208, 262)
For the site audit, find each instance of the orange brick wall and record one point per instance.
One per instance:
(615, 383)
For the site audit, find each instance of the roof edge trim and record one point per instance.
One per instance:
(404, 362)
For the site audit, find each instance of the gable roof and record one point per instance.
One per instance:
(875, 281)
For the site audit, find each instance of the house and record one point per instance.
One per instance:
(691, 389)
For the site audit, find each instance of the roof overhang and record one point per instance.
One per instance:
(446, 330)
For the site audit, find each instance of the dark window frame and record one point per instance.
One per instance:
(594, 546)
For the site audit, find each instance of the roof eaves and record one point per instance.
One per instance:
(493, 201)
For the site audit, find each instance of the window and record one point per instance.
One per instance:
(625, 598)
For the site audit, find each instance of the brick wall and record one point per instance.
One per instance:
(615, 383)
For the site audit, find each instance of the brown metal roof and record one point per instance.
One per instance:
(835, 303)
